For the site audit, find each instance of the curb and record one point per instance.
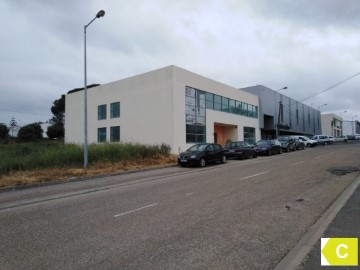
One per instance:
(78, 179)
(298, 253)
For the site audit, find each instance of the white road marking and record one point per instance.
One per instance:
(135, 210)
(254, 175)
(296, 163)
(189, 194)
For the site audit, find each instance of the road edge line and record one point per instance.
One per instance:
(298, 253)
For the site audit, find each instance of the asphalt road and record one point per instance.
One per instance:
(241, 215)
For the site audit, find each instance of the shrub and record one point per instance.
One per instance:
(28, 156)
(4, 131)
(30, 132)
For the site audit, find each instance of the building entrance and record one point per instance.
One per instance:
(224, 133)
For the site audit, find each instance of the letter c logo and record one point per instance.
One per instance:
(338, 251)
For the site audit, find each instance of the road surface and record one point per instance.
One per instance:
(241, 215)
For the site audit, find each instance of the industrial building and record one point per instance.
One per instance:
(169, 105)
(282, 115)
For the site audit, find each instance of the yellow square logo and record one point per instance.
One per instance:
(339, 251)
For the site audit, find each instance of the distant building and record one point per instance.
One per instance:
(169, 105)
(332, 125)
(351, 127)
(282, 114)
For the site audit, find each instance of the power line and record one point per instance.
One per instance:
(331, 87)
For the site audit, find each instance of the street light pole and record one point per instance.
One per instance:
(275, 118)
(100, 14)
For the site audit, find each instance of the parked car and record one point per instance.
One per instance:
(240, 149)
(202, 154)
(351, 137)
(299, 144)
(341, 139)
(287, 142)
(322, 139)
(268, 147)
(308, 142)
(332, 139)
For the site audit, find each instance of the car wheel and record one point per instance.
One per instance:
(269, 152)
(255, 155)
(223, 159)
(202, 162)
(287, 149)
(279, 151)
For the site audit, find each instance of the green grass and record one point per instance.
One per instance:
(47, 154)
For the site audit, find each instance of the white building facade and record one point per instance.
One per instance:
(169, 105)
(332, 125)
(351, 127)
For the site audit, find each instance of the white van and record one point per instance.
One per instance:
(322, 139)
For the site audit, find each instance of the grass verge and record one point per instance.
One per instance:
(30, 163)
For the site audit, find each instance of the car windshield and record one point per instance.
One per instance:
(262, 143)
(236, 145)
(197, 147)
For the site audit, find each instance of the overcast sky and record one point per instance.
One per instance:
(306, 45)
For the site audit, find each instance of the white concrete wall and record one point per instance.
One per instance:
(145, 109)
(152, 108)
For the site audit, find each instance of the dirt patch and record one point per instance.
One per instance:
(17, 178)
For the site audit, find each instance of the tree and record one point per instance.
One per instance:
(58, 109)
(56, 130)
(30, 132)
(4, 131)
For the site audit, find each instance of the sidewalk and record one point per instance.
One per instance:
(341, 220)
(345, 224)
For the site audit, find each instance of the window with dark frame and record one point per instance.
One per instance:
(101, 135)
(115, 110)
(115, 134)
(102, 112)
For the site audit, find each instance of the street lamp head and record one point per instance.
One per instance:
(101, 13)
(285, 87)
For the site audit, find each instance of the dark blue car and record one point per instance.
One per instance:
(268, 147)
(202, 154)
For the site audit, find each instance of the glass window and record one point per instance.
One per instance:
(244, 109)
(102, 112)
(115, 110)
(115, 134)
(238, 107)
(217, 102)
(196, 101)
(209, 101)
(224, 104)
(297, 117)
(101, 135)
(249, 135)
(232, 105)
